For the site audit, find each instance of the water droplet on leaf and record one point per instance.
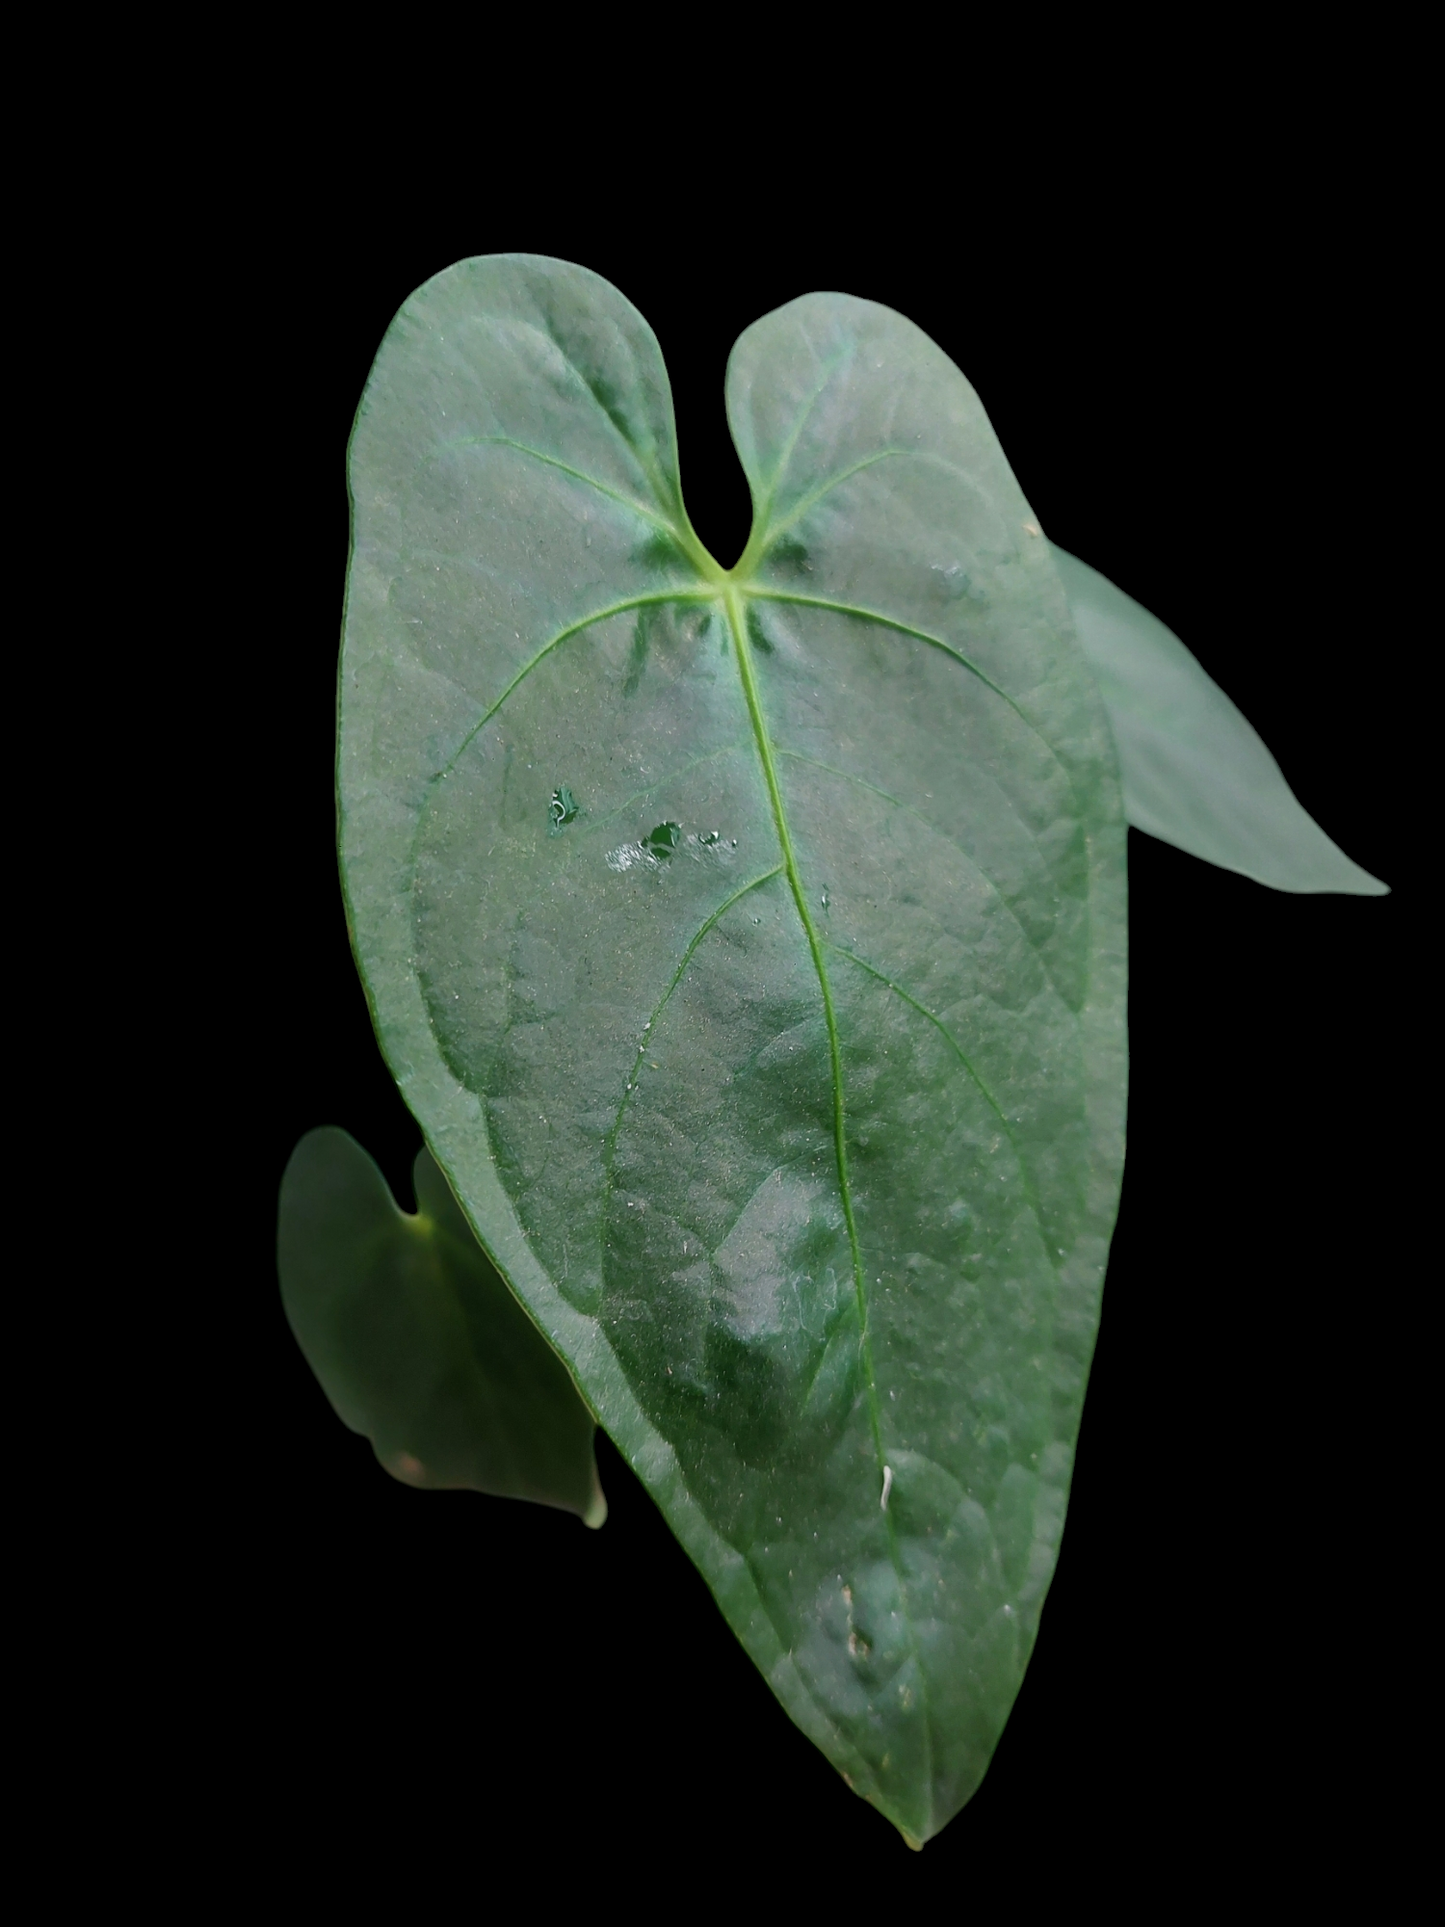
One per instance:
(664, 839)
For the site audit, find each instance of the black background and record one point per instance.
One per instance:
(1191, 404)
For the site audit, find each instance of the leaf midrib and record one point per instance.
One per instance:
(732, 597)
(733, 603)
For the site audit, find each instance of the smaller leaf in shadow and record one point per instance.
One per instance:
(418, 1342)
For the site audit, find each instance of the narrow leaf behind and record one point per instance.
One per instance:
(1196, 774)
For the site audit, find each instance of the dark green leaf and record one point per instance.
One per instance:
(786, 1087)
(1195, 773)
(418, 1343)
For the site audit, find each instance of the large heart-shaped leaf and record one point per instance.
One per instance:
(750, 946)
(418, 1343)
(1196, 774)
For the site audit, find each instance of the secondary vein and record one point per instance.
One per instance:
(563, 635)
(577, 474)
(800, 509)
(918, 635)
(661, 1005)
(931, 823)
(1030, 1190)
(927, 455)
(889, 622)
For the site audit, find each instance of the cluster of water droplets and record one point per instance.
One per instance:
(667, 841)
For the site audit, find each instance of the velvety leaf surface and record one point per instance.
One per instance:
(418, 1343)
(750, 946)
(1195, 773)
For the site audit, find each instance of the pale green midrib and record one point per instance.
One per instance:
(631, 1084)
(840, 1143)
(1030, 1187)
(796, 887)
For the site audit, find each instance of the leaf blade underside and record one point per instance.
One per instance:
(785, 1081)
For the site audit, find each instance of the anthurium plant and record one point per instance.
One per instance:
(749, 945)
